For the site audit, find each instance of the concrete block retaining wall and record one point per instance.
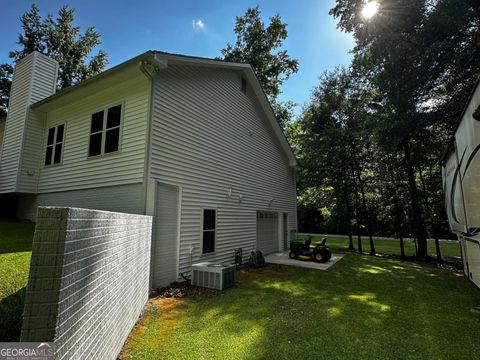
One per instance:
(89, 280)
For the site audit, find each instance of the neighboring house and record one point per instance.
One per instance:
(191, 141)
(461, 182)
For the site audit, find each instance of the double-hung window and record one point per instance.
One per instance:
(53, 152)
(209, 231)
(105, 131)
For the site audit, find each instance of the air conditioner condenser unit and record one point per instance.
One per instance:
(214, 276)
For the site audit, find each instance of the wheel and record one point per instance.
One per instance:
(292, 255)
(326, 255)
(317, 257)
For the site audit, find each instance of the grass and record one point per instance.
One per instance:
(361, 308)
(15, 252)
(448, 249)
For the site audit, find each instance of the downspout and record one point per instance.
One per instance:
(142, 66)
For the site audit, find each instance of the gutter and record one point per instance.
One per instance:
(88, 81)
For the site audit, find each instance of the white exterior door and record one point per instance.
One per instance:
(166, 237)
(267, 232)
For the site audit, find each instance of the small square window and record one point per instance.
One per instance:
(244, 85)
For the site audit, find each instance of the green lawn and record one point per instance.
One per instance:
(361, 308)
(15, 252)
(449, 249)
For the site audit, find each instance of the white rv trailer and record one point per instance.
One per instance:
(461, 184)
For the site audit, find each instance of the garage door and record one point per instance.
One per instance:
(267, 232)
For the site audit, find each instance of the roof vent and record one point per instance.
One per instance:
(244, 85)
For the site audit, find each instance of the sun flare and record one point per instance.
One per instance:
(370, 9)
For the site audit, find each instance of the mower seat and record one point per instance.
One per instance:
(307, 243)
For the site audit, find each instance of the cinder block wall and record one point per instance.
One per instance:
(89, 280)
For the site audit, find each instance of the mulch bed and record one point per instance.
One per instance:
(180, 290)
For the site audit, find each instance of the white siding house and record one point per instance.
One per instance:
(192, 141)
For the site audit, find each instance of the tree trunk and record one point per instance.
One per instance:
(419, 228)
(402, 247)
(372, 244)
(366, 215)
(350, 242)
(359, 239)
(437, 248)
(398, 215)
(437, 244)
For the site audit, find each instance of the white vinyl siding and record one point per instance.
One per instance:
(124, 198)
(32, 153)
(210, 137)
(126, 166)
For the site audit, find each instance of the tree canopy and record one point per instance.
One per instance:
(385, 120)
(261, 47)
(60, 39)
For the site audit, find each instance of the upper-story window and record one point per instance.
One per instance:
(105, 131)
(53, 153)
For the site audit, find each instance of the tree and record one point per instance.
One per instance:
(260, 46)
(62, 41)
(420, 57)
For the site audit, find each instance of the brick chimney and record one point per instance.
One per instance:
(34, 79)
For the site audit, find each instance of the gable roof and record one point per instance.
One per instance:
(161, 60)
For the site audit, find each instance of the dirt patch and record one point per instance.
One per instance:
(171, 312)
(169, 309)
(271, 270)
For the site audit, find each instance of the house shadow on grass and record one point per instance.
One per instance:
(16, 236)
(11, 311)
(362, 308)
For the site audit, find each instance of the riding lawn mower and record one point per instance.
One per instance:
(319, 252)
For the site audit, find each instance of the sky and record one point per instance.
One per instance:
(199, 28)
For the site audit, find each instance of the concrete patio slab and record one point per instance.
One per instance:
(282, 258)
